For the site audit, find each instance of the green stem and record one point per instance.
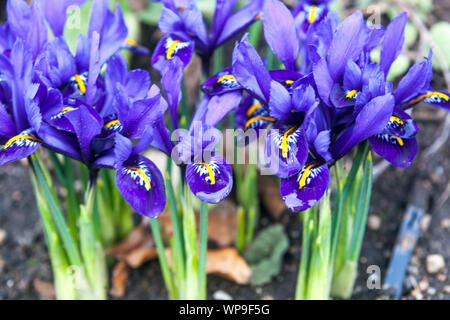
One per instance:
(191, 289)
(63, 286)
(177, 229)
(167, 275)
(91, 249)
(240, 234)
(57, 215)
(203, 248)
(300, 293)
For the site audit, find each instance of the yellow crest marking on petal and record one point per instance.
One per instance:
(253, 108)
(259, 16)
(212, 178)
(396, 119)
(351, 94)
(399, 140)
(305, 175)
(439, 94)
(65, 109)
(289, 81)
(284, 145)
(250, 121)
(312, 14)
(19, 137)
(171, 49)
(80, 83)
(131, 42)
(226, 77)
(111, 123)
(148, 186)
(180, 9)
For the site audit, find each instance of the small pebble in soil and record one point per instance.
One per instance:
(16, 196)
(445, 223)
(3, 235)
(431, 291)
(10, 283)
(2, 264)
(413, 270)
(423, 284)
(374, 222)
(441, 277)
(425, 222)
(221, 295)
(435, 263)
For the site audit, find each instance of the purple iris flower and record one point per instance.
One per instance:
(66, 104)
(208, 174)
(184, 26)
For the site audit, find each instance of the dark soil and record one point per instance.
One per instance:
(23, 256)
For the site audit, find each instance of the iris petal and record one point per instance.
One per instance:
(400, 152)
(305, 189)
(286, 150)
(142, 185)
(20, 146)
(210, 181)
(222, 82)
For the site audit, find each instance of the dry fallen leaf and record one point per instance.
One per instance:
(140, 255)
(228, 264)
(222, 223)
(271, 198)
(135, 239)
(119, 279)
(46, 290)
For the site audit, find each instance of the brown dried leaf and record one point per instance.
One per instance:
(271, 198)
(136, 238)
(228, 264)
(119, 279)
(222, 223)
(46, 290)
(140, 255)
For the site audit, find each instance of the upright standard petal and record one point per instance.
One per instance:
(241, 20)
(210, 181)
(305, 189)
(393, 41)
(250, 71)
(141, 183)
(348, 42)
(280, 33)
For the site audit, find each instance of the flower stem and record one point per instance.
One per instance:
(55, 210)
(203, 248)
(167, 274)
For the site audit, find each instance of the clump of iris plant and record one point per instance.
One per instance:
(317, 112)
(84, 106)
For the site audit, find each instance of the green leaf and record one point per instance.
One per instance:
(77, 22)
(151, 14)
(265, 254)
(440, 33)
(411, 34)
(399, 67)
